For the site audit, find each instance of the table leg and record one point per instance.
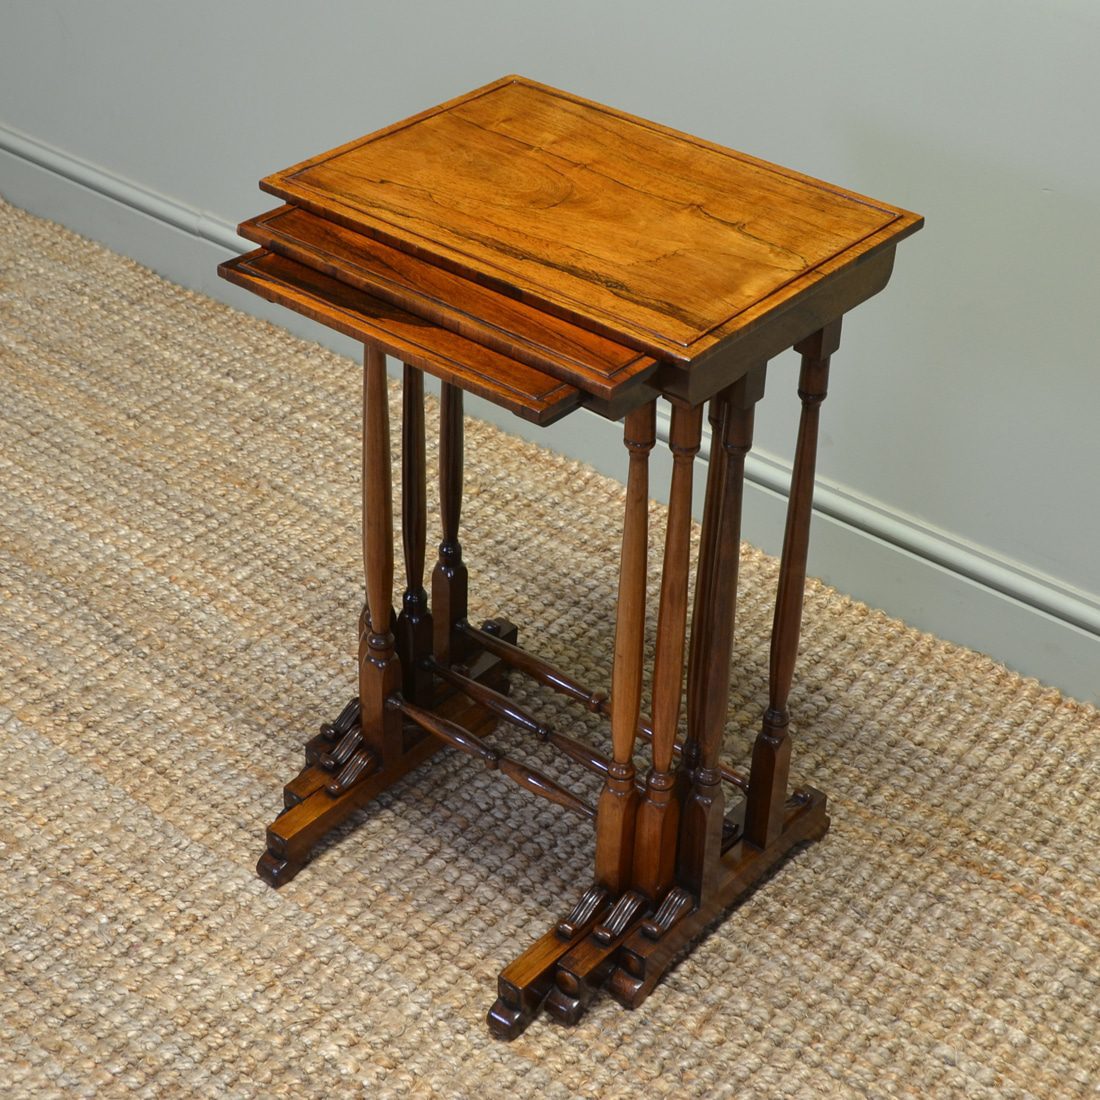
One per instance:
(414, 624)
(772, 751)
(589, 963)
(365, 750)
(379, 665)
(659, 811)
(701, 838)
(618, 803)
(712, 878)
(450, 577)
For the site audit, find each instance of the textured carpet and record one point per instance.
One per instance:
(179, 582)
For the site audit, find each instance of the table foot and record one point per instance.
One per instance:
(644, 958)
(523, 985)
(625, 945)
(585, 968)
(330, 788)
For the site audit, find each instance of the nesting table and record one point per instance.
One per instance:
(550, 254)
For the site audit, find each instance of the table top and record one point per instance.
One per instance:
(662, 241)
(598, 366)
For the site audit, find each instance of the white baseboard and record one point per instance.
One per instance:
(933, 579)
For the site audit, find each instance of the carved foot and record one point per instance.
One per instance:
(644, 958)
(341, 775)
(523, 985)
(617, 921)
(585, 968)
(677, 904)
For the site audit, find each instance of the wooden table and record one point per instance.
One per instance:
(549, 253)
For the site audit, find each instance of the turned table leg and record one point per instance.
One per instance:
(414, 624)
(619, 800)
(659, 812)
(731, 418)
(449, 578)
(379, 665)
(771, 753)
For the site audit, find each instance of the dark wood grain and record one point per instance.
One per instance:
(551, 344)
(506, 708)
(547, 252)
(450, 577)
(534, 666)
(523, 390)
(379, 665)
(312, 811)
(651, 236)
(465, 741)
(643, 959)
(524, 983)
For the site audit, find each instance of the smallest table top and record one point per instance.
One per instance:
(661, 241)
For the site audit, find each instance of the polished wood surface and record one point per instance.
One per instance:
(701, 834)
(548, 253)
(414, 623)
(379, 665)
(659, 811)
(450, 577)
(651, 236)
(529, 393)
(771, 754)
(566, 351)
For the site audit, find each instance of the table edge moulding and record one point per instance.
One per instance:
(549, 253)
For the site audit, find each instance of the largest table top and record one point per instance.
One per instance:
(661, 240)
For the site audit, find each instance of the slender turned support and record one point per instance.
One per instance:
(535, 667)
(414, 624)
(771, 753)
(465, 741)
(618, 803)
(449, 579)
(505, 708)
(595, 701)
(658, 814)
(379, 665)
(731, 418)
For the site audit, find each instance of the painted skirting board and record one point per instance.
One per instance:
(932, 579)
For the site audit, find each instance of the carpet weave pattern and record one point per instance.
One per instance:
(179, 582)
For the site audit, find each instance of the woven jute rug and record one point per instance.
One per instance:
(180, 580)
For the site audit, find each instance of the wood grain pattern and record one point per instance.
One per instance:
(575, 355)
(377, 494)
(530, 779)
(529, 393)
(546, 252)
(712, 626)
(650, 236)
(379, 665)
